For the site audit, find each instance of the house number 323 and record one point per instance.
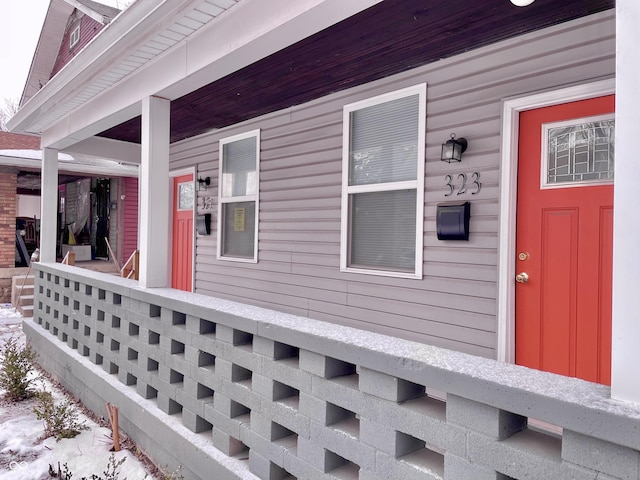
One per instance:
(462, 187)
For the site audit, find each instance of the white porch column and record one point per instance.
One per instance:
(154, 193)
(49, 205)
(625, 384)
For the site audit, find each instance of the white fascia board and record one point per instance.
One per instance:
(248, 32)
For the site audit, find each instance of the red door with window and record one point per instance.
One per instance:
(183, 233)
(564, 239)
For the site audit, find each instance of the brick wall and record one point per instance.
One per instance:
(8, 206)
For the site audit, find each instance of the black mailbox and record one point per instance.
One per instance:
(203, 224)
(452, 221)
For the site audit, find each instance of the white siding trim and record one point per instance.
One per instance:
(511, 109)
(421, 91)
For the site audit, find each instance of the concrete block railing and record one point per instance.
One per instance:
(233, 391)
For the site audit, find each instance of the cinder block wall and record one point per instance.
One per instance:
(8, 208)
(233, 391)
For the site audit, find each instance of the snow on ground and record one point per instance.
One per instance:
(25, 456)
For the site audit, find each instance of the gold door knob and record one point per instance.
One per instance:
(522, 277)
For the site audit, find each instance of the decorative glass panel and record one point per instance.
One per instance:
(238, 229)
(582, 152)
(185, 196)
(239, 177)
(383, 230)
(384, 142)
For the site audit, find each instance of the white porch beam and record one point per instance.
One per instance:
(107, 148)
(49, 206)
(154, 198)
(626, 220)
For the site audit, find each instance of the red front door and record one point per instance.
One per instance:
(564, 239)
(183, 234)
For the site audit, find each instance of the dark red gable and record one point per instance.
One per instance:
(89, 28)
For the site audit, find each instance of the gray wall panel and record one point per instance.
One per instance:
(454, 305)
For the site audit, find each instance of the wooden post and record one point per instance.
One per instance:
(112, 412)
(112, 255)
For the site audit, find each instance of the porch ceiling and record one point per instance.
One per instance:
(388, 38)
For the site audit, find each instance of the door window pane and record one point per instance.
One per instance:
(580, 152)
(185, 196)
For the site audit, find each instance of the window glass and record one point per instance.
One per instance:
(384, 142)
(238, 228)
(239, 168)
(580, 152)
(185, 196)
(384, 229)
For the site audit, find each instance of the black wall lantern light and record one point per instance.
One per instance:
(203, 184)
(453, 148)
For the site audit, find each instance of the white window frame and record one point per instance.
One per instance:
(418, 184)
(246, 198)
(74, 38)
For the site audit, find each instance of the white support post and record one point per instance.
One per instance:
(154, 193)
(49, 205)
(626, 226)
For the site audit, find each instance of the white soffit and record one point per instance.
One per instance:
(161, 48)
(191, 21)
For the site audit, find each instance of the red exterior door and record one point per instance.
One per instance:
(182, 262)
(564, 239)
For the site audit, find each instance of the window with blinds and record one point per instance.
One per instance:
(383, 184)
(238, 197)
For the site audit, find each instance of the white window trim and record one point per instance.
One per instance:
(74, 38)
(418, 184)
(245, 198)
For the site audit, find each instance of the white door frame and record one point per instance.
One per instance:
(511, 108)
(178, 173)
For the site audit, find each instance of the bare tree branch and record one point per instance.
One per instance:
(7, 111)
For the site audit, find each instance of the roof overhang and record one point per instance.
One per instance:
(77, 164)
(166, 48)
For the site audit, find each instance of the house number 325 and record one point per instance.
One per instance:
(462, 187)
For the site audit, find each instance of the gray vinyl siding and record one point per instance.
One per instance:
(455, 304)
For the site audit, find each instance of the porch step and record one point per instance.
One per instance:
(22, 291)
(24, 301)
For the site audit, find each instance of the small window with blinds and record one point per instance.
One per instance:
(383, 184)
(238, 197)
